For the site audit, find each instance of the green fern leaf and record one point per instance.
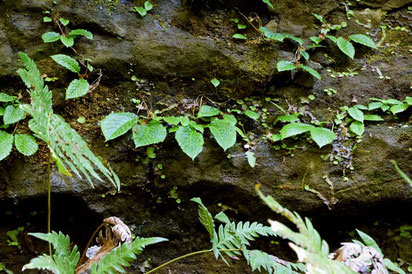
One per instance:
(65, 144)
(120, 257)
(205, 217)
(259, 260)
(63, 261)
(307, 243)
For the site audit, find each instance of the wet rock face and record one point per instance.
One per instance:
(179, 48)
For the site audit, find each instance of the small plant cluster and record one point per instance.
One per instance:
(355, 116)
(152, 129)
(343, 44)
(67, 147)
(12, 113)
(148, 6)
(66, 37)
(77, 87)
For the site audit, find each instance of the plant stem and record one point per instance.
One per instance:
(188, 255)
(49, 200)
(88, 243)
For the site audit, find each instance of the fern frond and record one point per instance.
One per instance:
(205, 217)
(63, 261)
(307, 243)
(259, 260)
(67, 146)
(120, 257)
(237, 236)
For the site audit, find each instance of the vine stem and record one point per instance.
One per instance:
(188, 255)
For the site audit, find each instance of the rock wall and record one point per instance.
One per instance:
(175, 51)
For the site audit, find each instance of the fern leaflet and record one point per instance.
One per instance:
(120, 257)
(258, 259)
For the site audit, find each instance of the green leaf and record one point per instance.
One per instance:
(6, 98)
(12, 114)
(316, 39)
(76, 32)
(285, 65)
(152, 133)
(239, 36)
(319, 17)
(1, 111)
(173, 120)
(363, 39)
(293, 129)
(47, 19)
(50, 37)
(205, 217)
(346, 47)
(332, 38)
(67, 41)
(356, 114)
(267, 2)
(241, 26)
(251, 159)
(25, 144)
(272, 35)
(230, 118)
(294, 38)
(215, 82)
(148, 6)
(392, 266)
(117, 124)
(396, 108)
(357, 127)
(222, 217)
(67, 62)
(369, 241)
(374, 105)
(304, 54)
(190, 141)
(371, 117)
(311, 71)
(77, 88)
(142, 11)
(6, 143)
(64, 22)
(408, 100)
(288, 118)
(224, 133)
(322, 136)
(252, 115)
(207, 111)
